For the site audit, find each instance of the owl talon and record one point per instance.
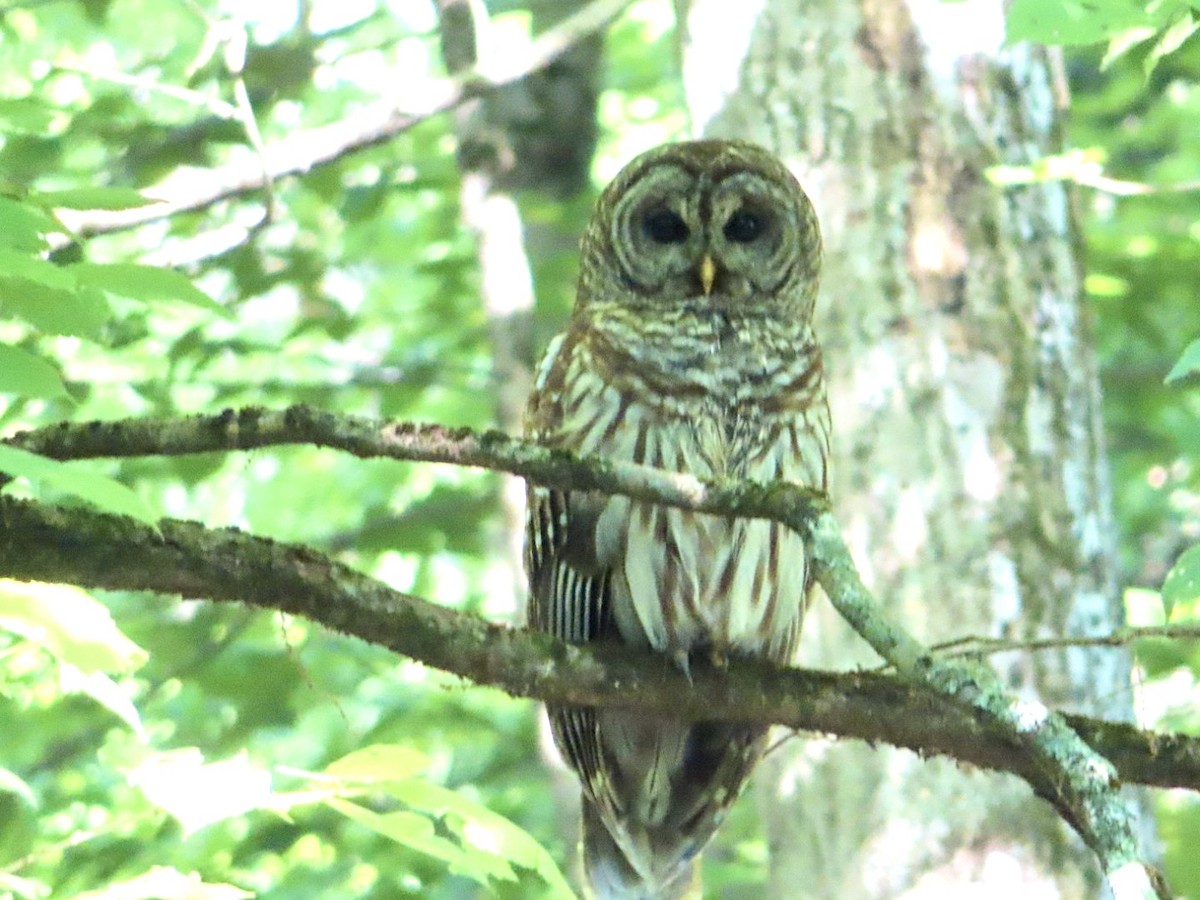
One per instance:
(719, 658)
(683, 662)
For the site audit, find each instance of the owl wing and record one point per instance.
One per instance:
(568, 589)
(648, 780)
(570, 595)
(569, 598)
(568, 586)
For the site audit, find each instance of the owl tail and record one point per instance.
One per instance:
(610, 876)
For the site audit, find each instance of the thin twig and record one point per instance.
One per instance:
(305, 150)
(199, 99)
(1119, 187)
(974, 645)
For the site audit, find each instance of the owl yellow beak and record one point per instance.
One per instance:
(708, 274)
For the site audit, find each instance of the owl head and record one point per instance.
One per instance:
(704, 222)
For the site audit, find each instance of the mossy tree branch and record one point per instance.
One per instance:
(39, 542)
(1044, 748)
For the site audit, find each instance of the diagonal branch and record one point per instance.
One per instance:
(45, 543)
(255, 427)
(308, 149)
(1081, 784)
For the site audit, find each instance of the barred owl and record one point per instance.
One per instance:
(690, 348)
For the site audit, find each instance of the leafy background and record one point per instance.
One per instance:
(177, 749)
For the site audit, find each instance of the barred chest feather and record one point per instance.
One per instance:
(716, 397)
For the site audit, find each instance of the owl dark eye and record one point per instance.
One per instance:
(745, 226)
(663, 226)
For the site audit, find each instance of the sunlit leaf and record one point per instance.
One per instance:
(166, 883)
(91, 198)
(1072, 21)
(481, 828)
(1187, 364)
(27, 375)
(1170, 41)
(1124, 41)
(146, 283)
(1182, 584)
(11, 783)
(25, 114)
(104, 691)
(52, 310)
(23, 888)
(79, 481)
(419, 833)
(22, 225)
(379, 762)
(197, 793)
(71, 624)
(33, 268)
(411, 830)
(489, 843)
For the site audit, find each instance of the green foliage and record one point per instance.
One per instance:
(1124, 23)
(152, 771)
(1182, 585)
(1187, 364)
(1137, 104)
(167, 749)
(1180, 823)
(25, 374)
(104, 493)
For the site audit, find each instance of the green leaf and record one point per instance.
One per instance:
(91, 198)
(1182, 584)
(28, 375)
(166, 883)
(79, 313)
(146, 283)
(25, 114)
(10, 783)
(1072, 21)
(489, 843)
(86, 484)
(33, 268)
(414, 831)
(479, 827)
(197, 793)
(22, 225)
(104, 691)
(379, 762)
(70, 624)
(1187, 364)
(1170, 41)
(23, 888)
(1121, 43)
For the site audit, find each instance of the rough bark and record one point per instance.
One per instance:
(968, 460)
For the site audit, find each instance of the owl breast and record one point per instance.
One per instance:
(702, 397)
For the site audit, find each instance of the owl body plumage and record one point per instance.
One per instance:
(706, 366)
(714, 400)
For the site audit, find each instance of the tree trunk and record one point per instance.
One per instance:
(968, 464)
